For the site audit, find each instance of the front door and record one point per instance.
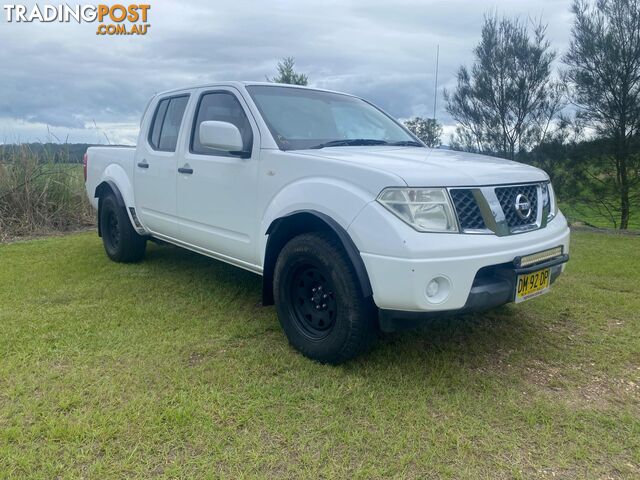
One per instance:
(217, 190)
(155, 168)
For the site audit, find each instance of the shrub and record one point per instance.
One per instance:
(40, 194)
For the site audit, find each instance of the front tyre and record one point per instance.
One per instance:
(121, 242)
(319, 301)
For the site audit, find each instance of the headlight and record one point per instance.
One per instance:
(425, 209)
(553, 205)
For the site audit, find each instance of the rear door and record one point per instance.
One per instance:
(217, 198)
(156, 166)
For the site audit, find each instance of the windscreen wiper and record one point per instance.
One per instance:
(407, 143)
(351, 143)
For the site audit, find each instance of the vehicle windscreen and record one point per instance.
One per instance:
(302, 118)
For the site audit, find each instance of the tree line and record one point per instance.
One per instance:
(579, 121)
(577, 115)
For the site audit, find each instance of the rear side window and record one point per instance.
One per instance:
(221, 107)
(167, 119)
(156, 126)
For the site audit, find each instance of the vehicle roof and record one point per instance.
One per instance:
(239, 84)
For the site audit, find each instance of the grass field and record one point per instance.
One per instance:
(171, 369)
(588, 214)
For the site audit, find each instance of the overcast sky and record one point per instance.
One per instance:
(65, 79)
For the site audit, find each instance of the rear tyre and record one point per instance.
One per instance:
(121, 242)
(319, 302)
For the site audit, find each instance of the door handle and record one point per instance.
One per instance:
(143, 164)
(186, 170)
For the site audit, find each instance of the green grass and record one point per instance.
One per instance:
(171, 369)
(589, 214)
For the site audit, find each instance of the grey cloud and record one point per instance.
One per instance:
(67, 77)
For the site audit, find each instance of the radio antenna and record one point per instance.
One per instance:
(435, 92)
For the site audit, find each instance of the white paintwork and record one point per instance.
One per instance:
(221, 136)
(217, 204)
(113, 164)
(399, 276)
(425, 167)
(225, 207)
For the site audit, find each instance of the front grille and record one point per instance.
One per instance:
(501, 210)
(507, 197)
(467, 209)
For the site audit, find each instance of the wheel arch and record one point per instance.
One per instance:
(109, 186)
(104, 188)
(284, 228)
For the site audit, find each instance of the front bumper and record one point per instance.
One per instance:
(405, 261)
(493, 286)
(496, 285)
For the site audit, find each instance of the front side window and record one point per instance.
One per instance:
(221, 107)
(166, 123)
(303, 118)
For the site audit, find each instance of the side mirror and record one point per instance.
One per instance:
(221, 136)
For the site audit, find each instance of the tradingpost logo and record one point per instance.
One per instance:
(118, 19)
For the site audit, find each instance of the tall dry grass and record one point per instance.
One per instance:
(39, 194)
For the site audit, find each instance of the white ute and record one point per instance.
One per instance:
(354, 225)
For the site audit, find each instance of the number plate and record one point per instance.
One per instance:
(531, 285)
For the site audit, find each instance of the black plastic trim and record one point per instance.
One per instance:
(100, 190)
(546, 264)
(279, 230)
(134, 216)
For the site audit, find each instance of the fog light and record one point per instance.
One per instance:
(437, 290)
(432, 288)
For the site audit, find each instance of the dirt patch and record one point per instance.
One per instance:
(195, 359)
(597, 391)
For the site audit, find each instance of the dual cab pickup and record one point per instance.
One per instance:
(354, 225)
